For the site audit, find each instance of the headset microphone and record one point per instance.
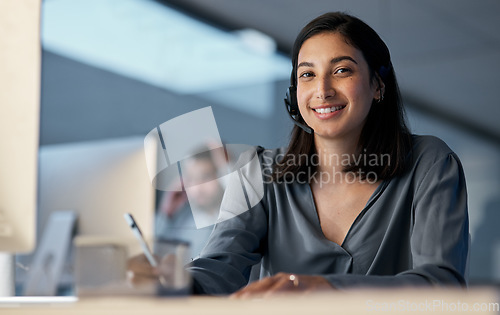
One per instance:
(293, 108)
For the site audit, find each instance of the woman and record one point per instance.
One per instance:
(355, 200)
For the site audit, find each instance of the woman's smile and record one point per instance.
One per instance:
(328, 111)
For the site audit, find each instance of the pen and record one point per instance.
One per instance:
(138, 234)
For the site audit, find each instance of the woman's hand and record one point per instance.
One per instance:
(283, 283)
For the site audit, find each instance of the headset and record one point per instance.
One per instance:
(293, 108)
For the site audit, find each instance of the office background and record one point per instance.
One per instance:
(119, 68)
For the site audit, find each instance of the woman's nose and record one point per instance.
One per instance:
(325, 88)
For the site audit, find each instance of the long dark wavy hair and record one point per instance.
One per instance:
(385, 131)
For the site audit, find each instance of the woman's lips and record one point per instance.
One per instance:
(326, 112)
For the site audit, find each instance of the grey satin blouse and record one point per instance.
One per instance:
(413, 231)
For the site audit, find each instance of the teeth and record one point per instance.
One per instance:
(328, 110)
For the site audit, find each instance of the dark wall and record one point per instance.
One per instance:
(81, 102)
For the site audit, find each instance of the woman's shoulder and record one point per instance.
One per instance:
(243, 154)
(269, 157)
(429, 147)
(427, 151)
(259, 160)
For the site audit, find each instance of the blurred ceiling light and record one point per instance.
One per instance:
(148, 41)
(257, 41)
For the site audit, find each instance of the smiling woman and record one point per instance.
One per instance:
(357, 62)
(355, 200)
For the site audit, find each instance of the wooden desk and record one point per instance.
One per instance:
(353, 302)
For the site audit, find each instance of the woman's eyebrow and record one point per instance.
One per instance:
(305, 64)
(333, 61)
(339, 59)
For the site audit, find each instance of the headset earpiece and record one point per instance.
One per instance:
(292, 107)
(291, 100)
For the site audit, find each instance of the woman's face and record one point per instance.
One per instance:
(334, 89)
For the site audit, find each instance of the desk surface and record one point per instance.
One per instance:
(481, 301)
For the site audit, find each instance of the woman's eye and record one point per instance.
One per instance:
(343, 70)
(307, 75)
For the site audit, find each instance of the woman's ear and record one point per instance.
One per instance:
(380, 91)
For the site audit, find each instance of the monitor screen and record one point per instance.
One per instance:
(20, 55)
(99, 181)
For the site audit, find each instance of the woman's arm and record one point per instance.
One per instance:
(235, 244)
(233, 248)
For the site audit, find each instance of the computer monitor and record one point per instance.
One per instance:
(20, 55)
(99, 180)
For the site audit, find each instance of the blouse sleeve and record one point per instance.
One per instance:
(235, 244)
(225, 264)
(439, 242)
